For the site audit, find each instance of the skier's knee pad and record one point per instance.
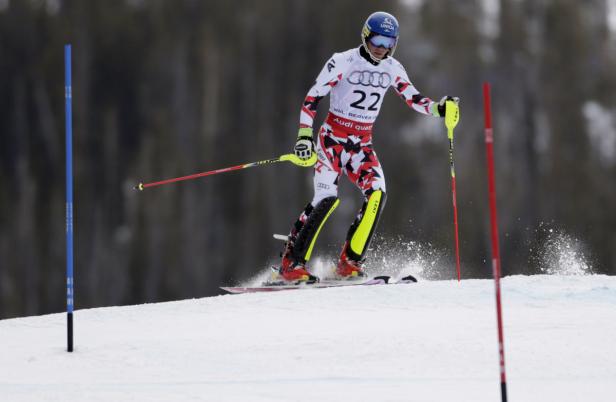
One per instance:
(362, 230)
(307, 236)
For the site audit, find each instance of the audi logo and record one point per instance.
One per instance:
(370, 79)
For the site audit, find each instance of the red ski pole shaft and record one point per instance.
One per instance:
(284, 158)
(455, 208)
(496, 263)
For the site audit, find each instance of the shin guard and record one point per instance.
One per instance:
(307, 235)
(362, 230)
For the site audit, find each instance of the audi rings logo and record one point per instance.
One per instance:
(373, 79)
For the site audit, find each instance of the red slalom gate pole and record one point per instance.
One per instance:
(496, 267)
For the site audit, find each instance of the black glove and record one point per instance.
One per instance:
(438, 109)
(304, 146)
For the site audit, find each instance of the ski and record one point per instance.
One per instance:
(326, 283)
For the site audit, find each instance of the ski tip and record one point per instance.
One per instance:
(241, 290)
(138, 187)
(233, 290)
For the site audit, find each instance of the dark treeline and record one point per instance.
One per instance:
(168, 88)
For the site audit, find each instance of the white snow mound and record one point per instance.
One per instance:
(430, 341)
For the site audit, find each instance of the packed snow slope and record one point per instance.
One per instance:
(430, 341)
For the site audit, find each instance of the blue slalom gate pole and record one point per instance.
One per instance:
(69, 196)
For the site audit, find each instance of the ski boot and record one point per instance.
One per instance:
(294, 271)
(348, 268)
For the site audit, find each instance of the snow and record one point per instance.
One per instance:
(489, 25)
(602, 131)
(611, 15)
(430, 341)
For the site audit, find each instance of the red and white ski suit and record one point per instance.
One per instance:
(356, 86)
(344, 145)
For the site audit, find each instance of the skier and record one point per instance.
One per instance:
(356, 80)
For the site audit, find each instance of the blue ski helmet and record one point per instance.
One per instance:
(383, 24)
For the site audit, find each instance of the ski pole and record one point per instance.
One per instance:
(452, 115)
(283, 158)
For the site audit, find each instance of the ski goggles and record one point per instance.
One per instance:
(383, 41)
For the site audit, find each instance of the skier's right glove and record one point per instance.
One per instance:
(304, 146)
(439, 108)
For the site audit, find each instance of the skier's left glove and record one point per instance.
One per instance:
(304, 146)
(439, 108)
